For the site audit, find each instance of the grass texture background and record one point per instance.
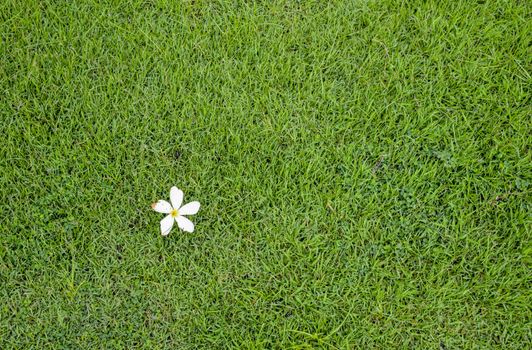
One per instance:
(364, 170)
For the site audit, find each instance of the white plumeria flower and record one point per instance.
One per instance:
(175, 212)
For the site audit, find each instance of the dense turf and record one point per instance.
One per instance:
(363, 166)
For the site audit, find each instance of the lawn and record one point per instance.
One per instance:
(364, 170)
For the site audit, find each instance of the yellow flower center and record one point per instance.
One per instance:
(174, 213)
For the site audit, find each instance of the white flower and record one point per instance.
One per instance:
(175, 212)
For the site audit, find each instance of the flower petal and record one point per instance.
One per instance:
(189, 209)
(166, 225)
(176, 197)
(184, 224)
(162, 207)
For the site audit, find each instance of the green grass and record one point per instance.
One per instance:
(364, 169)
